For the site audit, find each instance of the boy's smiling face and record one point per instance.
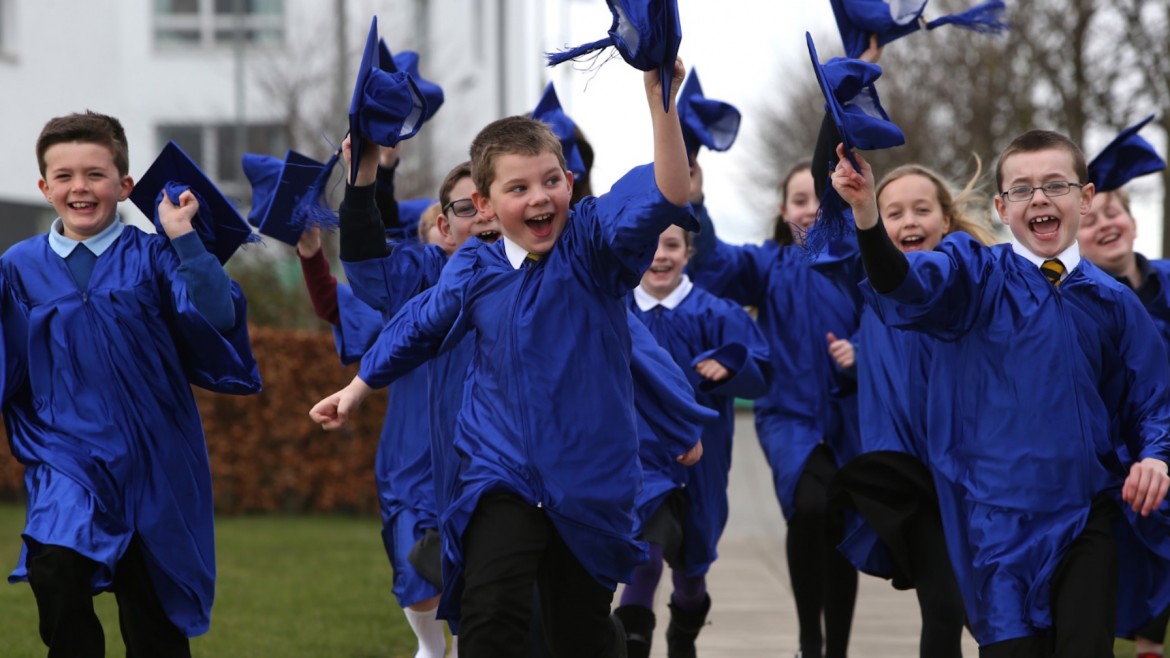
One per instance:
(1107, 233)
(1044, 225)
(84, 186)
(530, 196)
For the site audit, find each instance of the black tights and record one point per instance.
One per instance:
(939, 600)
(823, 581)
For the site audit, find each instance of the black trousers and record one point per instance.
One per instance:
(509, 546)
(1155, 629)
(60, 580)
(1084, 597)
(823, 581)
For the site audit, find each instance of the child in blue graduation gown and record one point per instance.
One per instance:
(546, 434)
(890, 482)
(807, 422)
(1106, 238)
(720, 347)
(1042, 378)
(105, 329)
(402, 466)
(385, 276)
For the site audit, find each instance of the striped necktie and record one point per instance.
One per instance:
(1053, 269)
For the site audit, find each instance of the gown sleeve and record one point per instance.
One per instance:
(734, 272)
(663, 397)
(624, 225)
(742, 349)
(426, 325)
(219, 361)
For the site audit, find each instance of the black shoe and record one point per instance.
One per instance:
(619, 637)
(639, 624)
(684, 628)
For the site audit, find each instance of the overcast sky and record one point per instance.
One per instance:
(743, 50)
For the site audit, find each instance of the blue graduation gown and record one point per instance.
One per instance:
(359, 328)
(1034, 392)
(104, 419)
(1157, 302)
(809, 401)
(704, 326)
(892, 370)
(403, 468)
(670, 421)
(535, 421)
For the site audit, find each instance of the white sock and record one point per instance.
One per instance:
(428, 628)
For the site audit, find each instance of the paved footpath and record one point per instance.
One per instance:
(753, 614)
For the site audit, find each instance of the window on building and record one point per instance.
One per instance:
(210, 23)
(217, 149)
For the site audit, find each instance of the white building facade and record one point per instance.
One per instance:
(222, 77)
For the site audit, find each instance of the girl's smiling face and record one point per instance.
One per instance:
(670, 260)
(912, 214)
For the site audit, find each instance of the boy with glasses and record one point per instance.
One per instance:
(1046, 374)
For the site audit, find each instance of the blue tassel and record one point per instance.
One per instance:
(312, 209)
(986, 18)
(562, 56)
(833, 224)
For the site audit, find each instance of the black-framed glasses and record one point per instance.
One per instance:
(460, 208)
(1050, 189)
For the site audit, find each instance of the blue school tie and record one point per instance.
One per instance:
(80, 262)
(1053, 269)
(531, 259)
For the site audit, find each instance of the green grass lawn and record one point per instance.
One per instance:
(288, 587)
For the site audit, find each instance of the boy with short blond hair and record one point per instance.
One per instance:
(106, 328)
(547, 431)
(1048, 417)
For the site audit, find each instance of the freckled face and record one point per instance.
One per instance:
(530, 197)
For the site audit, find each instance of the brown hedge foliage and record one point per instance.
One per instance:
(266, 455)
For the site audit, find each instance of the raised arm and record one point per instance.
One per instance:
(363, 236)
(319, 281)
(671, 167)
(885, 265)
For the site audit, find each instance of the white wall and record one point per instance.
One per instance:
(69, 56)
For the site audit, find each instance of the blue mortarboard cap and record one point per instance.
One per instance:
(1128, 156)
(218, 224)
(705, 121)
(387, 107)
(407, 62)
(410, 210)
(409, 213)
(645, 32)
(852, 100)
(278, 186)
(549, 111)
(893, 19)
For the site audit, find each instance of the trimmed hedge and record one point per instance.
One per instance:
(266, 455)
